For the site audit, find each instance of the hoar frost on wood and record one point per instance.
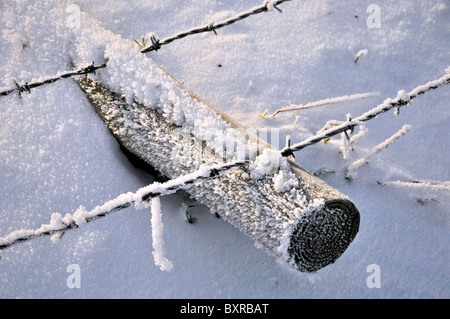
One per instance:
(286, 210)
(306, 210)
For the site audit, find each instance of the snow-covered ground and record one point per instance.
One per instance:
(56, 154)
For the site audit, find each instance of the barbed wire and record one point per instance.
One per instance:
(26, 87)
(155, 46)
(266, 6)
(59, 224)
(403, 98)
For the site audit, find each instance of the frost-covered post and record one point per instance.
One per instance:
(291, 213)
(287, 211)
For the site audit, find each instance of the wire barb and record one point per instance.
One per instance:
(22, 88)
(88, 69)
(210, 28)
(155, 43)
(272, 4)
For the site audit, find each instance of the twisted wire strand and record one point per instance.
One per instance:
(26, 87)
(155, 189)
(156, 44)
(389, 104)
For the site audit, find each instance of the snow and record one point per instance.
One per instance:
(58, 158)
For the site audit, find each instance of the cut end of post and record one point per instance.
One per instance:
(323, 236)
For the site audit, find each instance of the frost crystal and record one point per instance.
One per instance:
(266, 164)
(157, 236)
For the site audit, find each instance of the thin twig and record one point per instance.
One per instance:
(345, 98)
(156, 44)
(419, 184)
(26, 87)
